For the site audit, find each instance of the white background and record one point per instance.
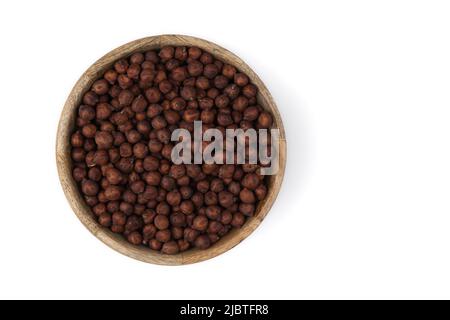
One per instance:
(364, 91)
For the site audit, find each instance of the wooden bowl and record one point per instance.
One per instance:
(64, 162)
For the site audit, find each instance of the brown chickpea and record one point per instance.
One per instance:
(134, 223)
(77, 140)
(133, 71)
(240, 79)
(133, 136)
(195, 68)
(124, 81)
(238, 220)
(89, 187)
(183, 245)
(163, 208)
(90, 98)
(265, 120)
(170, 247)
(135, 238)
(226, 217)
(210, 198)
(203, 186)
(152, 178)
(190, 234)
(179, 74)
(104, 140)
(79, 174)
(220, 82)
(187, 207)
(155, 244)
(194, 53)
(163, 235)
(166, 53)
(99, 209)
(247, 196)
(200, 223)
(173, 198)
(210, 71)
(229, 71)
(226, 199)
(110, 76)
(153, 95)
(78, 154)
(247, 209)
(214, 227)
(250, 181)
(178, 104)
(149, 231)
(113, 193)
(89, 130)
(178, 220)
(202, 242)
(249, 90)
(213, 212)
(140, 150)
(161, 222)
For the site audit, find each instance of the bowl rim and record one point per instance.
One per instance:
(70, 188)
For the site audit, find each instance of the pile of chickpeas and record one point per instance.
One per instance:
(121, 149)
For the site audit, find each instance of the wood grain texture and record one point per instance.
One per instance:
(64, 162)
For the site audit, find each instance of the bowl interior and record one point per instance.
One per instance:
(64, 161)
